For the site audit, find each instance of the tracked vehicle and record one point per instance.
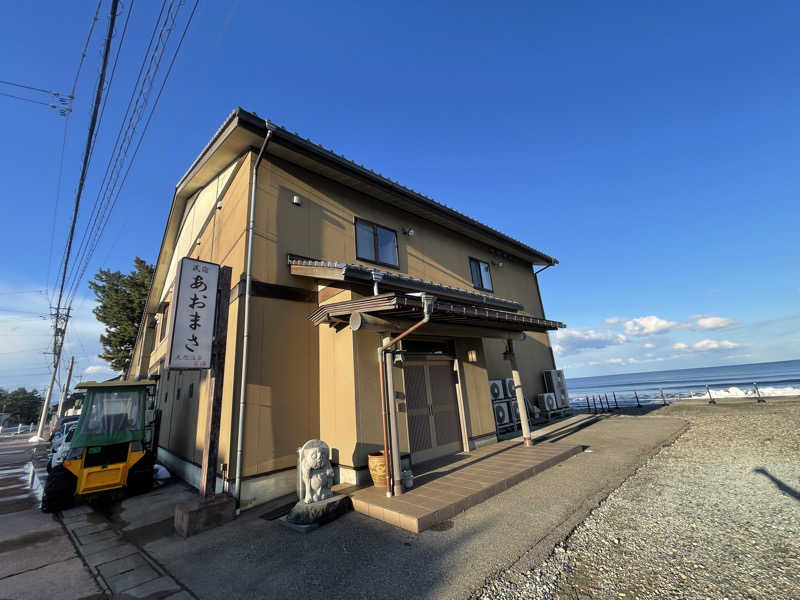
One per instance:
(109, 452)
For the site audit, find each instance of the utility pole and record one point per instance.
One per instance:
(57, 346)
(65, 391)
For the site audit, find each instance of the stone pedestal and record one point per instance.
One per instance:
(307, 517)
(200, 514)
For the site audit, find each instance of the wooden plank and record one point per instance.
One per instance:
(208, 482)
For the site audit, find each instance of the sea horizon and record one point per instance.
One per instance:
(774, 378)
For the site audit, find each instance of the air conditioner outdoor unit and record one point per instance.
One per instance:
(496, 390)
(510, 391)
(502, 416)
(547, 401)
(555, 383)
(514, 410)
(533, 410)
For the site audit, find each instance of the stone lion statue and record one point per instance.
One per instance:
(316, 476)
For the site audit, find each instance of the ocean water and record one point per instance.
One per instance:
(773, 378)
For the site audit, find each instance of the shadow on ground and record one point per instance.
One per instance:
(788, 490)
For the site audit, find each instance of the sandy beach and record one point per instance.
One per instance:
(714, 515)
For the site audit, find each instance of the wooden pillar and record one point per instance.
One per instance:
(208, 482)
(523, 411)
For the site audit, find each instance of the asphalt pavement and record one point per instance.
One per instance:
(37, 558)
(359, 557)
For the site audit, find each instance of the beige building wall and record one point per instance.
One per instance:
(183, 396)
(303, 381)
(283, 408)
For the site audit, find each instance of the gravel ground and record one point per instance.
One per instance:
(715, 515)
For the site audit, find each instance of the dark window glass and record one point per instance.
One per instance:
(163, 324)
(481, 277)
(365, 241)
(475, 268)
(376, 244)
(387, 246)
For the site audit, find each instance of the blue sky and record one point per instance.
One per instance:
(652, 148)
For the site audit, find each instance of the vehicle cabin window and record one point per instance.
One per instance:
(376, 244)
(481, 278)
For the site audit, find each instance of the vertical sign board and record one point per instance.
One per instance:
(194, 300)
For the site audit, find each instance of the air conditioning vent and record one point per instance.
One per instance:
(555, 383)
(547, 401)
(496, 390)
(510, 391)
(502, 416)
(514, 410)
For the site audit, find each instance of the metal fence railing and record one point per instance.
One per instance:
(600, 402)
(15, 429)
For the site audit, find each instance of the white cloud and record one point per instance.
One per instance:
(649, 345)
(27, 330)
(712, 322)
(652, 325)
(714, 345)
(570, 341)
(649, 325)
(616, 361)
(705, 346)
(614, 320)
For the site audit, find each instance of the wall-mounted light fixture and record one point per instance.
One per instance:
(297, 200)
(498, 263)
(409, 231)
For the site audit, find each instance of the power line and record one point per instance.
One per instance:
(64, 140)
(64, 110)
(85, 162)
(37, 89)
(113, 71)
(120, 138)
(116, 190)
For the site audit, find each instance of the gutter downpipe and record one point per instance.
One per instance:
(428, 302)
(237, 489)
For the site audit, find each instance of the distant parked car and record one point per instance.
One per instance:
(57, 457)
(60, 430)
(58, 426)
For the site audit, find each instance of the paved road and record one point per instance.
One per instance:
(37, 558)
(358, 557)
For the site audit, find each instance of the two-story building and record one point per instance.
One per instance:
(337, 256)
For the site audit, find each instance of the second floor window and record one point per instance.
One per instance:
(481, 278)
(376, 244)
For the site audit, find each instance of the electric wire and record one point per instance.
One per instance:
(114, 190)
(34, 88)
(64, 143)
(85, 161)
(117, 142)
(30, 100)
(141, 139)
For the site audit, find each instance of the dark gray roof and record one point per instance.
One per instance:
(400, 281)
(305, 143)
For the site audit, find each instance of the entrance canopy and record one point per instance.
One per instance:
(396, 311)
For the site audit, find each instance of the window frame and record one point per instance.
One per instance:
(479, 262)
(375, 245)
(163, 325)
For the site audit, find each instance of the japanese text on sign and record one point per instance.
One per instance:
(194, 304)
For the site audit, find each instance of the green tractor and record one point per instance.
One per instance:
(109, 451)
